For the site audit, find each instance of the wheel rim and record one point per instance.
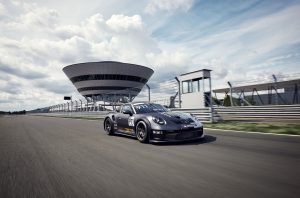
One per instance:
(141, 131)
(107, 126)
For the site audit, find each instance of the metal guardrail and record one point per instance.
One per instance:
(278, 113)
(91, 114)
(203, 114)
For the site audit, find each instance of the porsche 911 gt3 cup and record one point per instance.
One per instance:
(150, 122)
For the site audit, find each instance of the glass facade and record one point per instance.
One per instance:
(108, 88)
(108, 77)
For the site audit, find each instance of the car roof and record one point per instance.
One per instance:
(141, 102)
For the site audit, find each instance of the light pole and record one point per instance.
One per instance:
(276, 93)
(230, 89)
(179, 93)
(80, 104)
(149, 99)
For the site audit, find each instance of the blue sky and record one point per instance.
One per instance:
(238, 40)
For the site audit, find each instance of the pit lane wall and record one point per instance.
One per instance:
(272, 113)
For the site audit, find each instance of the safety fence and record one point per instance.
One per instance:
(278, 113)
(272, 113)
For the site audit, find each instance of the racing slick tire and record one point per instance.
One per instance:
(142, 132)
(108, 126)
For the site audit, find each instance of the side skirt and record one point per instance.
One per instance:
(125, 134)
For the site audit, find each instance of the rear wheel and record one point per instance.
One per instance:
(142, 132)
(108, 126)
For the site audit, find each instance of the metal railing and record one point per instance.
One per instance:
(278, 113)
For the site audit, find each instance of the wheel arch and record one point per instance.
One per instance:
(111, 117)
(148, 124)
(107, 117)
(142, 119)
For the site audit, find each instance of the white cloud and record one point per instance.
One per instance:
(28, 19)
(2, 9)
(37, 47)
(168, 5)
(167, 58)
(246, 49)
(39, 17)
(121, 23)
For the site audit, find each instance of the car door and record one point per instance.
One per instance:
(124, 120)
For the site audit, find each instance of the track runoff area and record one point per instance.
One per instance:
(55, 157)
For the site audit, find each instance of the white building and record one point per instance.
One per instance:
(195, 89)
(108, 81)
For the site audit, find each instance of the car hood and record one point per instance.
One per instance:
(176, 117)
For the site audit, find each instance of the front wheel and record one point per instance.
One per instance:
(108, 126)
(142, 132)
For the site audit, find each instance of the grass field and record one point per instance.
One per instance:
(282, 128)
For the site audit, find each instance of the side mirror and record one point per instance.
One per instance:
(127, 111)
(167, 107)
(118, 109)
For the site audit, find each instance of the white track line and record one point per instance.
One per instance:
(234, 131)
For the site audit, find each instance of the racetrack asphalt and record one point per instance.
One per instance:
(56, 157)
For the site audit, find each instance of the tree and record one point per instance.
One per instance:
(227, 102)
(216, 101)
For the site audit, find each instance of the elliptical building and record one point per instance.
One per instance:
(108, 81)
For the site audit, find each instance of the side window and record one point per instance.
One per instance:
(186, 86)
(126, 108)
(196, 85)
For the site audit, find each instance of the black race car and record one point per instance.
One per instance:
(152, 122)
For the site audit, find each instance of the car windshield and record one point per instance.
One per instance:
(149, 108)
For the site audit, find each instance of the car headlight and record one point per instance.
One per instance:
(158, 120)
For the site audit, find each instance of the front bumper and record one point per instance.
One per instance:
(177, 135)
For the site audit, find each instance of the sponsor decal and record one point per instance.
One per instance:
(131, 121)
(127, 130)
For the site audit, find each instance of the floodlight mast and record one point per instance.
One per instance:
(275, 83)
(149, 98)
(179, 93)
(230, 90)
